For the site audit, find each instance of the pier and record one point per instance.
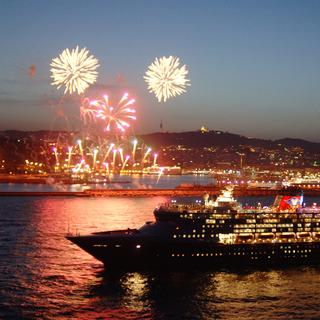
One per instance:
(197, 191)
(42, 194)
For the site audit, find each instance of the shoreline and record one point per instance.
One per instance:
(178, 192)
(23, 179)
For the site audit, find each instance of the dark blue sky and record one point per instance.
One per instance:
(254, 66)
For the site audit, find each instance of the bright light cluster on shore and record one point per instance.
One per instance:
(165, 78)
(75, 69)
(107, 158)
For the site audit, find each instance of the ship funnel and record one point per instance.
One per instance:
(283, 203)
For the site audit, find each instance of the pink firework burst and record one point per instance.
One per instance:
(117, 116)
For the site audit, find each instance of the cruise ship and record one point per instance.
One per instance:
(213, 233)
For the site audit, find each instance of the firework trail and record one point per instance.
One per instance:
(69, 155)
(125, 162)
(74, 69)
(87, 111)
(165, 78)
(145, 155)
(135, 142)
(160, 174)
(155, 156)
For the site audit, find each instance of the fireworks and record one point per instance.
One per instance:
(117, 116)
(145, 155)
(69, 155)
(87, 158)
(135, 142)
(155, 156)
(165, 78)
(74, 69)
(87, 111)
(56, 155)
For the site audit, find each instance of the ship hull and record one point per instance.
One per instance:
(133, 254)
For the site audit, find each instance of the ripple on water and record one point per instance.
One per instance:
(44, 276)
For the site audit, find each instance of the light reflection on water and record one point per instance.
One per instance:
(117, 182)
(45, 276)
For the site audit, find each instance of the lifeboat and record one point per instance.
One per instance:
(245, 236)
(303, 235)
(287, 235)
(266, 236)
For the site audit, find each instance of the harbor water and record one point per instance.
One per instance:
(44, 276)
(116, 182)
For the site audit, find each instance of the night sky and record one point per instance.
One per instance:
(254, 66)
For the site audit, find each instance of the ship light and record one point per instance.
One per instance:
(138, 246)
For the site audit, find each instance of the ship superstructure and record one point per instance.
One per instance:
(214, 233)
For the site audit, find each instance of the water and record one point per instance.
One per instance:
(117, 182)
(44, 276)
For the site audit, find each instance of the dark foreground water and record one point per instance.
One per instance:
(43, 276)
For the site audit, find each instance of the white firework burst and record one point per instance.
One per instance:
(74, 69)
(165, 78)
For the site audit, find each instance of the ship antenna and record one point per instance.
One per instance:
(68, 230)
